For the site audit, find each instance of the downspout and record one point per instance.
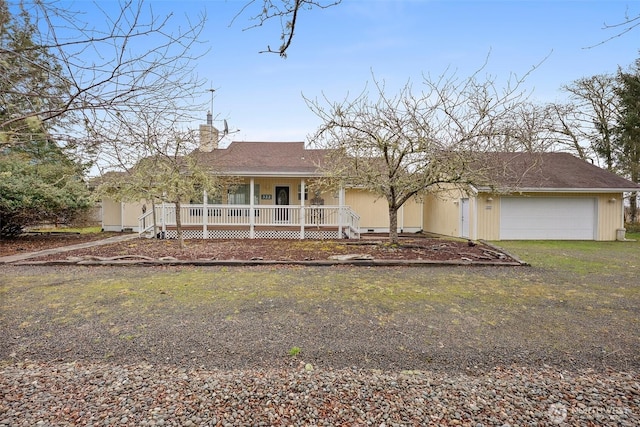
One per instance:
(422, 216)
(473, 207)
(121, 217)
(302, 189)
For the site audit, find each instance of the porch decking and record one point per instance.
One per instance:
(253, 222)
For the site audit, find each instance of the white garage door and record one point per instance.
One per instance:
(547, 218)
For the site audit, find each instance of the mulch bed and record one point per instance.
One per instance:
(409, 248)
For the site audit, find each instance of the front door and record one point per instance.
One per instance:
(282, 198)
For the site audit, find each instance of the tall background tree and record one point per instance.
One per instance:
(600, 123)
(589, 118)
(41, 180)
(31, 82)
(67, 80)
(627, 132)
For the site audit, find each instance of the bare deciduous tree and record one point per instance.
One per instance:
(107, 66)
(153, 151)
(589, 118)
(402, 146)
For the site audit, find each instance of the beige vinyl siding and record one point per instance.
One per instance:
(608, 214)
(411, 215)
(118, 216)
(610, 208)
(374, 212)
(111, 215)
(488, 217)
(442, 213)
(130, 214)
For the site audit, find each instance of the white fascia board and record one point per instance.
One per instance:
(272, 174)
(561, 190)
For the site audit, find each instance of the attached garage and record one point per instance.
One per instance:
(532, 196)
(548, 218)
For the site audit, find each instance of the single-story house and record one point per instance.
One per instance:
(275, 182)
(539, 196)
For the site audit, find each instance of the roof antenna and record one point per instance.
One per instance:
(212, 90)
(225, 130)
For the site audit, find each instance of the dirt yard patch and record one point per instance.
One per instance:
(446, 318)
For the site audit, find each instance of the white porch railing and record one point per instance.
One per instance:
(298, 221)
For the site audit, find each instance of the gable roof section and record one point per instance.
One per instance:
(551, 172)
(264, 159)
(537, 172)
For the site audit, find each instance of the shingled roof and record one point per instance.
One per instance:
(264, 159)
(552, 172)
(511, 171)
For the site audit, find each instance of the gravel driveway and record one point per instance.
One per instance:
(318, 346)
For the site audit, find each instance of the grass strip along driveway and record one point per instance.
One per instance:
(576, 307)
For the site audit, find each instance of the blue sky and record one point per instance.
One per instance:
(336, 50)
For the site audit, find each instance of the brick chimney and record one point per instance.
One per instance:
(208, 135)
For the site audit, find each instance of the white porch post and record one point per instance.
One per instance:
(252, 231)
(205, 215)
(302, 189)
(340, 211)
(164, 216)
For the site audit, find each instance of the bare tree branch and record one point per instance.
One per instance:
(134, 60)
(287, 11)
(621, 28)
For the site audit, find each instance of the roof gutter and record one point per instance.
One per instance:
(562, 190)
(267, 174)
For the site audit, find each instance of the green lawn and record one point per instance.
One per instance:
(584, 257)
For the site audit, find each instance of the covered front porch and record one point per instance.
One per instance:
(245, 215)
(217, 221)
